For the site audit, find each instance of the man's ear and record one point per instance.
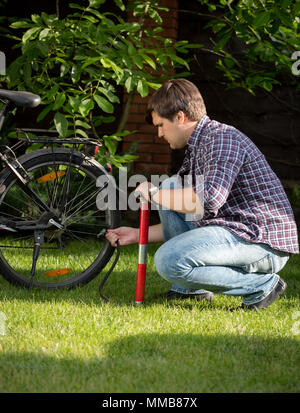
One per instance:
(181, 117)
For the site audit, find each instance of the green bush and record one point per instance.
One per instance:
(78, 63)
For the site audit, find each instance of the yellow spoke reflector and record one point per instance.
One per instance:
(57, 273)
(51, 176)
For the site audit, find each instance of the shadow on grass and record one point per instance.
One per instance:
(161, 363)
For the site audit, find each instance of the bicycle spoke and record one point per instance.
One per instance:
(83, 204)
(69, 232)
(10, 206)
(77, 193)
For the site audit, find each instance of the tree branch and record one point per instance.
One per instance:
(125, 114)
(210, 16)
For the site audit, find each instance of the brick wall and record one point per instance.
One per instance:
(153, 152)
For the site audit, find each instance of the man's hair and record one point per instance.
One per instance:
(176, 95)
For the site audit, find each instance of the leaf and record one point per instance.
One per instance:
(104, 104)
(107, 63)
(154, 86)
(59, 101)
(44, 33)
(30, 34)
(76, 6)
(142, 88)
(43, 48)
(34, 147)
(63, 69)
(75, 103)
(120, 4)
(90, 61)
(85, 125)
(21, 25)
(229, 62)
(131, 48)
(155, 16)
(49, 19)
(218, 26)
(110, 144)
(124, 133)
(149, 61)
(129, 84)
(107, 119)
(75, 73)
(162, 59)
(261, 20)
(86, 106)
(44, 112)
(96, 3)
(267, 84)
(101, 35)
(36, 19)
(109, 94)
(221, 43)
(82, 133)
(52, 92)
(180, 61)
(61, 124)
(138, 60)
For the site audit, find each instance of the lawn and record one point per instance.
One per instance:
(71, 341)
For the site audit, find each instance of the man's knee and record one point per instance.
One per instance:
(171, 264)
(164, 262)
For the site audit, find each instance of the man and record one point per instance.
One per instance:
(229, 232)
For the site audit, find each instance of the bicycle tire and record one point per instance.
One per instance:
(64, 249)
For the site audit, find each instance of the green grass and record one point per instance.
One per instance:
(71, 341)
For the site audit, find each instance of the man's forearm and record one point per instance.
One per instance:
(182, 200)
(155, 233)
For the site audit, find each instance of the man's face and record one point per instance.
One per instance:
(172, 131)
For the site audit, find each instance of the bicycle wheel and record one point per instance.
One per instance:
(76, 251)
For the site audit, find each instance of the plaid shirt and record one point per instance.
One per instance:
(241, 192)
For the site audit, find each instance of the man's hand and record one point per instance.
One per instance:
(125, 235)
(129, 235)
(143, 190)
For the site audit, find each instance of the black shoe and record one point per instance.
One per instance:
(266, 302)
(171, 295)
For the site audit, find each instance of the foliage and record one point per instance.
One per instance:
(255, 41)
(79, 63)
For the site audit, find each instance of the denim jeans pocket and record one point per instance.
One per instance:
(264, 265)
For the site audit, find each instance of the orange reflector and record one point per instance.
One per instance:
(51, 176)
(57, 273)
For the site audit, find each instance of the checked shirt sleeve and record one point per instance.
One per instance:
(222, 161)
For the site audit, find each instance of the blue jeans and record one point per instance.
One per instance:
(212, 258)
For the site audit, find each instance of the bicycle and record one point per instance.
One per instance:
(52, 235)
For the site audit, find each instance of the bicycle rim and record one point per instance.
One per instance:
(76, 251)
